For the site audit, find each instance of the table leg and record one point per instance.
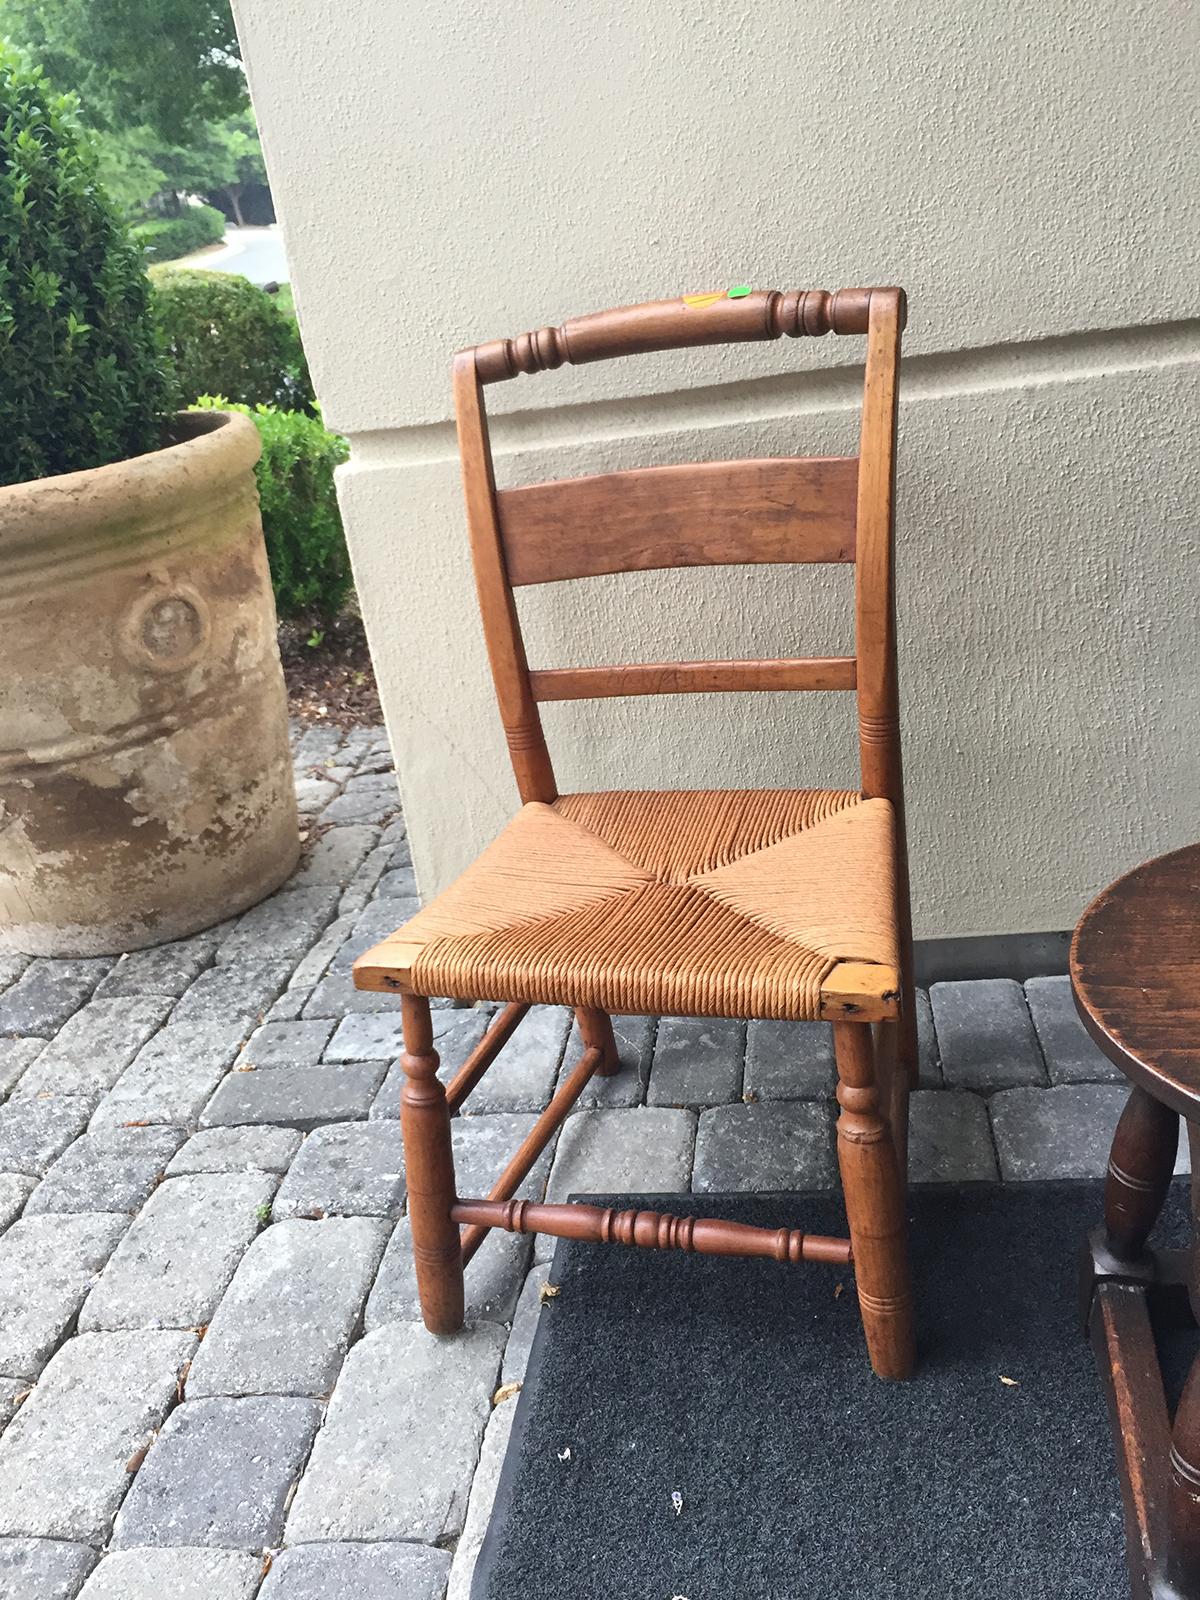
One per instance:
(1182, 1564)
(1183, 1496)
(1139, 1174)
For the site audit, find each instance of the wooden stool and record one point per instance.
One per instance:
(1135, 971)
(788, 904)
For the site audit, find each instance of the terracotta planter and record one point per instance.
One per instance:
(145, 781)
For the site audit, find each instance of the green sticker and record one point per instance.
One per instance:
(740, 293)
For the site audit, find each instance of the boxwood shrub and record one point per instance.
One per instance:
(310, 569)
(224, 335)
(165, 238)
(82, 383)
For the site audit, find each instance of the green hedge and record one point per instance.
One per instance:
(167, 238)
(82, 384)
(224, 335)
(310, 569)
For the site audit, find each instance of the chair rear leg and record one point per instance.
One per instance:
(429, 1172)
(596, 1030)
(874, 1195)
(893, 1078)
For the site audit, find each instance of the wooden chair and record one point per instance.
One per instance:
(784, 904)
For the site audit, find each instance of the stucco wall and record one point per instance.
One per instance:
(451, 172)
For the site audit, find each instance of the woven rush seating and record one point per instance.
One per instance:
(787, 904)
(720, 903)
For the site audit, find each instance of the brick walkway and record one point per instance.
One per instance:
(209, 1345)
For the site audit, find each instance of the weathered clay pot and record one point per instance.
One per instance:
(145, 784)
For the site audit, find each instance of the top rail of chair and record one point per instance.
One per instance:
(723, 316)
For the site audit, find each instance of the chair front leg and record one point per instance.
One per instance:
(874, 1195)
(429, 1172)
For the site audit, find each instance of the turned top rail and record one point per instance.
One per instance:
(722, 316)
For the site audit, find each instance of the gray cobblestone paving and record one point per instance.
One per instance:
(281, 928)
(171, 1077)
(175, 1575)
(697, 1062)
(11, 968)
(351, 1169)
(100, 1399)
(113, 1170)
(383, 1571)
(33, 1132)
(13, 1392)
(401, 1439)
(48, 993)
(94, 1047)
(287, 1318)
(635, 1047)
(165, 970)
(172, 1267)
(16, 1057)
(255, 1149)
(240, 991)
(757, 1148)
(43, 1569)
(789, 1061)
(15, 1189)
(219, 1474)
(47, 1266)
(287, 1044)
(154, 1192)
(296, 1097)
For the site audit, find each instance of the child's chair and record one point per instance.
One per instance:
(724, 903)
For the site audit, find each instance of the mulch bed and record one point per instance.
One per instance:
(327, 668)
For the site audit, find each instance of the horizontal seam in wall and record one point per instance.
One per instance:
(940, 375)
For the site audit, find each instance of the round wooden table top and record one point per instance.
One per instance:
(1135, 971)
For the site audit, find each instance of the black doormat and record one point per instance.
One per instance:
(695, 1428)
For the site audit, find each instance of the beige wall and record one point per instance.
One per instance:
(449, 172)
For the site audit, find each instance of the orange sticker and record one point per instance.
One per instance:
(697, 302)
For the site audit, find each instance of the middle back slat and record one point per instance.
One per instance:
(716, 513)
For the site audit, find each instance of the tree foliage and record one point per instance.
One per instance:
(220, 158)
(169, 65)
(163, 94)
(82, 383)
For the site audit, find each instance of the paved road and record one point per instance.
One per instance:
(257, 253)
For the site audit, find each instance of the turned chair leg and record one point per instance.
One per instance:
(874, 1197)
(1140, 1165)
(429, 1172)
(892, 1077)
(596, 1031)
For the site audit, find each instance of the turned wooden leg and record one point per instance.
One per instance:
(1183, 1494)
(1183, 1473)
(874, 1197)
(1139, 1173)
(429, 1171)
(595, 1029)
(893, 1080)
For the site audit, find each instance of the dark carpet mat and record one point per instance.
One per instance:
(743, 1387)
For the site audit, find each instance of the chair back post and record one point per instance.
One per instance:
(874, 580)
(875, 616)
(519, 714)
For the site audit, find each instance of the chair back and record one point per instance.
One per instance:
(793, 509)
